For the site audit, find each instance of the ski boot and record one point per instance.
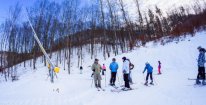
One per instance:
(203, 82)
(112, 84)
(146, 83)
(126, 89)
(123, 88)
(198, 82)
(151, 83)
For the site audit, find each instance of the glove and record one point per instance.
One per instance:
(93, 70)
(143, 72)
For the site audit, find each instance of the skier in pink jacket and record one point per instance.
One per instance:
(103, 69)
(159, 67)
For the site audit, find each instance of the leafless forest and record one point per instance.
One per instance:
(63, 27)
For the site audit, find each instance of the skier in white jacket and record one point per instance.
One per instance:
(125, 70)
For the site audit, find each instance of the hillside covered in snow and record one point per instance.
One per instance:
(171, 88)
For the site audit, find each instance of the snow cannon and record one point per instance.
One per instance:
(56, 69)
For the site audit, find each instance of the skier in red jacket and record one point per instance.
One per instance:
(159, 67)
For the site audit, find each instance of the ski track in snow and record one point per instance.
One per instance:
(171, 88)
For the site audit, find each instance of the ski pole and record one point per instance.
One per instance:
(144, 77)
(92, 81)
(118, 78)
(154, 80)
(122, 79)
(105, 79)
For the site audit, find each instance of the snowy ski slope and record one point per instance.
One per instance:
(171, 88)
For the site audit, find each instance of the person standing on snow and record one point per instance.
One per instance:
(201, 66)
(125, 70)
(159, 67)
(96, 68)
(113, 67)
(149, 69)
(81, 68)
(104, 69)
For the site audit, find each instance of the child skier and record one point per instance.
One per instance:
(81, 68)
(159, 67)
(103, 69)
(149, 69)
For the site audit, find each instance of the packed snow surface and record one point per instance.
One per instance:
(171, 88)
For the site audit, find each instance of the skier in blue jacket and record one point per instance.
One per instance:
(201, 66)
(149, 69)
(113, 67)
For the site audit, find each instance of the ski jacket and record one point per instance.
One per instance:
(125, 67)
(96, 68)
(201, 59)
(104, 67)
(159, 66)
(113, 67)
(149, 68)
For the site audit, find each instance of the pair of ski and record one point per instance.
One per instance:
(148, 85)
(193, 79)
(197, 85)
(100, 89)
(122, 90)
(116, 89)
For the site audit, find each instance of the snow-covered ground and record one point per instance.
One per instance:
(171, 88)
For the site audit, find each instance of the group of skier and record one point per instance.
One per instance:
(126, 71)
(128, 66)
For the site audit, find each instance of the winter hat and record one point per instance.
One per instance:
(199, 47)
(124, 58)
(96, 60)
(146, 63)
(113, 59)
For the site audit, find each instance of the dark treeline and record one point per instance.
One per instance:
(63, 27)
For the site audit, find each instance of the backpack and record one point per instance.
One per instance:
(131, 66)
